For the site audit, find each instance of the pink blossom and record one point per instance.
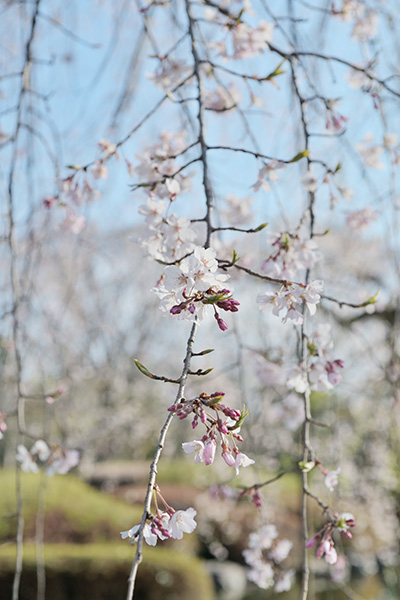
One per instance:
(331, 479)
(49, 201)
(209, 451)
(327, 549)
(361, 219)
(3, 424)
(227, 456)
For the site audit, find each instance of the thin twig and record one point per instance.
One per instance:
(153, 468)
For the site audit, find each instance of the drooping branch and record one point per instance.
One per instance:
(153, 468)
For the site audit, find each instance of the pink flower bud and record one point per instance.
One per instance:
(209, 452)
(227, 456)
(314, 540)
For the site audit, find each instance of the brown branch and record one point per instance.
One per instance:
(153, 468)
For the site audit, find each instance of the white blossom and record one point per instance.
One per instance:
(182, 521)
(24, 457)
(197, 447)
(331, 479)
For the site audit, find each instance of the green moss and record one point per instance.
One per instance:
(74, 510)
(100, 571)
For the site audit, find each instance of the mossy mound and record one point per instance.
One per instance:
(100, 572)
(75, 512)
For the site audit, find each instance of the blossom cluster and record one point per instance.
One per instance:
(371, 152)
(169, 73)
(55, 460)
(361, 219)
(168, 236)
(194, 289)
(291, 254)
(245, 41)
(73, 195)
(164, 525)
(290, 298)
(321, 372)
(157, 164)
(326, 547)
(365, 20)
(264, 555)
(221, 99)
(222, 425)
(268, 173)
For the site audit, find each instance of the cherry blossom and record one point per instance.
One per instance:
(361, 219)
(169, 73)
(324, 370)
(246, 40)
(158, 164)
(221, 99)
(56, 460)
(297, 380)
(209, 451)
(361, 79)
(283, 582)
(62, 461)
(197, 447)
(3, 424)
(72, 222)
(331, 479)
(150, 537)
(237, 210)
(194, 289)
(164, 525)
(310, 182)
(41, 449)
(107, 147)
(241, 460)
(25, 458)
(326, 548)
(182, 521)
(365, 27)
(264, 555)
(268, 173)
(370, 153)
(99, 170)
(221, 422)
(291, 254)
(288, 296)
